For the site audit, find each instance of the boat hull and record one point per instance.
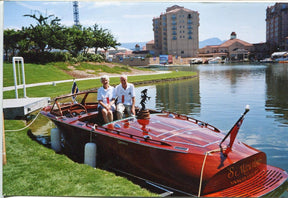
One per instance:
(171, 150)
(176, 170)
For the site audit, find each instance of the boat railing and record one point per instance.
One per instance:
(198, 122)
(125, 134)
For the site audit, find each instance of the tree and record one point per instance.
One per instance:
(77, 39)
(10, 42)
(43, 34)
(48, 34)
(102, 38)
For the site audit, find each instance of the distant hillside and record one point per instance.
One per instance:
(210, 41)
(132, 45)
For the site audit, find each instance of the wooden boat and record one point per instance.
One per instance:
(167, 149)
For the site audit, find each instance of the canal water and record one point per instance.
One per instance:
(219, 95)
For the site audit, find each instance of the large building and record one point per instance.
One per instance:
(233, 49)
(176, 32)
(277, 27)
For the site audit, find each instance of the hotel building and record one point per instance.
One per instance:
(176, 32)
(233, 49)
(277, 26)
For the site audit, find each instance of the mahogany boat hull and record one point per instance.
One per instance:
(168, 149)
(176, 170)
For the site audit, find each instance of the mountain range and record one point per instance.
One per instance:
(210, 41)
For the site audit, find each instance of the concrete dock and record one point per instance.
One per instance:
(19, 108)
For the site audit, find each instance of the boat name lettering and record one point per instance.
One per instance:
(243, 169)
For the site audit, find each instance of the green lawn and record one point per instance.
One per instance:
(36, 73)
(33, 73)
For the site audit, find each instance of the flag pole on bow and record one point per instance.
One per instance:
(74, 91)
(234, 131)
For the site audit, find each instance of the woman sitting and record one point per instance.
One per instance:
(106, 99)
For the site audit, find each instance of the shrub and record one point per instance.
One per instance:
(44, 57)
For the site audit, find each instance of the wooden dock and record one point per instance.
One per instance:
(19, 108)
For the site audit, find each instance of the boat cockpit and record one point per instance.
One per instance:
(81, 106)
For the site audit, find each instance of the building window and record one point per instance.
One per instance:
(182, 52)
(189, 16)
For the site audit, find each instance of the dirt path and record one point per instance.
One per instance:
(91, 73)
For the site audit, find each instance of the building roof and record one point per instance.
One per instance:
(178, 9)
(232, 41)
(150, 42)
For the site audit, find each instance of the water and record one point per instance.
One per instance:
(219, 96)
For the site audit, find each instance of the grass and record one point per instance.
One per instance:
(32, 169)
(33, 73)
(65, 88)
(102, 68)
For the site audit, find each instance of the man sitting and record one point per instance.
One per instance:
(125, 95)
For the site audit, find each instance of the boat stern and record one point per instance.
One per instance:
(250, 177)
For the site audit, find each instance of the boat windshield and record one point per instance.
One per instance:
(64, 102)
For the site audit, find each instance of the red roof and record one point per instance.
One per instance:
(232, 41)
(150, 42)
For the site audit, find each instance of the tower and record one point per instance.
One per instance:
(233, 35)
(76, 13)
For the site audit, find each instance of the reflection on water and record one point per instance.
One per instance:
(219, 95)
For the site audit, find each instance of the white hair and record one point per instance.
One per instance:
(104, 77)
(123, 76)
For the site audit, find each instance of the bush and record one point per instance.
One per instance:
(44, 57)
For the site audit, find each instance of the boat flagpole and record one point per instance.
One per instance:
(234, 131)
(74, 90)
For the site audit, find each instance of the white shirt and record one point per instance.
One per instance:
(106, 95)
(125, 95)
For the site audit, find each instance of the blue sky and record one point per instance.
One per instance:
(132, 21)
